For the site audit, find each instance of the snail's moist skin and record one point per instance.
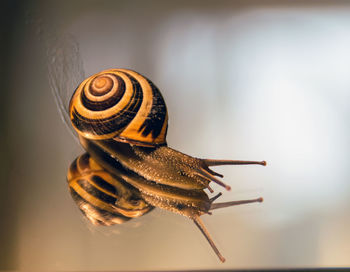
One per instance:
(187, 202)
(162, 165)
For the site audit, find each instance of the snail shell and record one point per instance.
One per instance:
(119, 104)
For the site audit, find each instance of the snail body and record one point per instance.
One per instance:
(121, 120)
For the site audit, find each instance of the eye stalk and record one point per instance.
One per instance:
(210, 173)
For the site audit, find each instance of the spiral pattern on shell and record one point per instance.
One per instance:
(119, 104)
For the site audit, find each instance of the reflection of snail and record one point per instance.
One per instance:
(121, 119)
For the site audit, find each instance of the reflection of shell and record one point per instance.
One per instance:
(103, 198)
(120, 104)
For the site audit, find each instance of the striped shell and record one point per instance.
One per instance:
(102, 197)
(119, 104)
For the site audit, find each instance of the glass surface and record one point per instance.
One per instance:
(242, 80)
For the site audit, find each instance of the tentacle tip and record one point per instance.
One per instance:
(228, 188)
(263, 163)
(222, 259)
(260, 199)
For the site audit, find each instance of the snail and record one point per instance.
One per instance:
(121, 120)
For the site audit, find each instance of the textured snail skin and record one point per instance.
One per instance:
(162, 165)
(189, 203)
(121, 120)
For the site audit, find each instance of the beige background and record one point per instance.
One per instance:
(241, 79)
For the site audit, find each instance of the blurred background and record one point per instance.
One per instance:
(254, 80)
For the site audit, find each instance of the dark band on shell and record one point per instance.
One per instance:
(120, 104)
(103, 104)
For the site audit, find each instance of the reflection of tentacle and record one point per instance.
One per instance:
(234, 203)
(215, 197)
(206, 234)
